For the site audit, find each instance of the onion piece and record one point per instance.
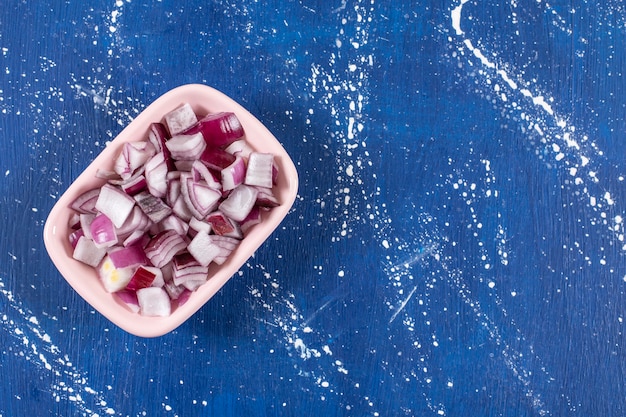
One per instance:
(240, 147)
(173, 290)
(203, 249)
(239, 202)
(198, 225)
(223, 226)
(156, 175)
(130, 299)
(153, 207)
(102, 231)
(115, 204)
(186, 147)
(181, 209)
(199, 171)
(128, 256)
(199, 197)
(216, 158)
(85, 224)
(184, 296)
(137, 221)
(265, 198)
(234, 174)
(135, 185)
(186, 268)
(180, 119)
(226, 245)
(158, 135)
(162, 247)
(173, 222)
(218, 129)
(114, 278)
(254, 217)
(154, 301)
(74, 222)
(142, 278)
(86, 202)
(159, 279)
(132, 156)
(74, 236)
(260, 169)
(87, 252)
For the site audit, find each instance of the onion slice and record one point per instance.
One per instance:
(239, 202)
(162, 247)
(115, 204)
(218, 129)
(203, 249)
(186, 147)
(180, 119)
(154, 301)
(260, 169)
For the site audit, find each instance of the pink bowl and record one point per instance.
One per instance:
(84, 279)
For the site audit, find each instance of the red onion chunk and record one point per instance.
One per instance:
(156, 175)
(239, 202)
(222, 225)
(199, 171)
(260, 169)
(184, 296)
(181, 209)
(200, 198)
(114, 278)
(128, 256)
(203, 249)
(254, 217)
(218, 129)
(133, 156)
(159, 279)
(234, 174)
(186, 147)
(130, 299)
(85, 224)
(173, 290)
(136, 221)
(173, 222)
(74, 221)
(198, 225)
(136, 237)
(163, 246)
(187, 268)
(173, 191)
(142, 278)
(103, 232)
(87, 252)
(227, 245)
(240, 148)
(216, 158)
(153, 207)
(135, 185)
(115, 204)
(74, 236)
(265, 198)
(86, 202)
(180, 119)
(154, 301)
(192, 285)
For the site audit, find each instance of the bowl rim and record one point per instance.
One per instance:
(204, 99)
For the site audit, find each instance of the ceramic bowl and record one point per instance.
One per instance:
(84, 279)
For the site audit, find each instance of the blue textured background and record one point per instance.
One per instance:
(457, 245)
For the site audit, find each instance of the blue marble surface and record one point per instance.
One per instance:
(457, 245)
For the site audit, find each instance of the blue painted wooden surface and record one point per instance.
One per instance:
(457, 245)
